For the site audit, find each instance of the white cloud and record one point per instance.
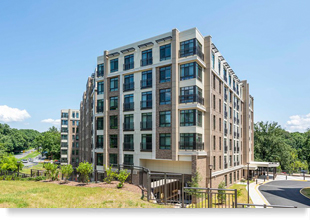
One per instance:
(8, 114)
(51, 121)
(298, 123)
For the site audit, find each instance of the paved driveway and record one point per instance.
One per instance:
(285, 192)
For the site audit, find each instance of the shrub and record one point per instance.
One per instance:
(30, 178)
(8, 177)
(221, 196)
(66, 171)
(52, 171)
(84, 169)
(194, 183)
(110, 175)
(122, 176)
(39, 178)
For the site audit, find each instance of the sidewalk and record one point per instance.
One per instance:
(255, 194)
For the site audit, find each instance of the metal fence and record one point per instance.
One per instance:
(243, 205)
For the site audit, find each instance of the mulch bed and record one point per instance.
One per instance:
(113, 184)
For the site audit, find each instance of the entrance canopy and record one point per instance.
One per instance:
(254, 165)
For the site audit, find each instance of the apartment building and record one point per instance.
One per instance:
(170, 103)
(69, 129)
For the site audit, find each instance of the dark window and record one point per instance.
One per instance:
(146, 122)
(100, 70)
(165, 141)
(191, 94)
(214, 163)
(114, 103)
(165, 74)
(191, 70)
(129, 62)
(165, 52)
(128, 159)
(213, 60)
(164, 96)
(99, 159)
(113, 159)
(100, 88)
(99, 105)
(191, 47)
(128, 103)
(128, 122)
(146, 142)
(113, 141)
(146, 101)
(100, 123)
(165, 119)
(128, 83)
(191, 141)
(128, 142)
(113, 122)
(114, 84)
(187, 117)
(99, 141)
(114, 65)
(147, 58)
(146, 81)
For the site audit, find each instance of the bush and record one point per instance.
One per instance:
(52, 171)
(85, 169)
(39, 178)
(122, 176)
(221, 196)
(30, 178)
(194, 183)
(66, 171)
(110, 175)
(8, 177)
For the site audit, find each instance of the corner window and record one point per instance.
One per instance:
(191, 70)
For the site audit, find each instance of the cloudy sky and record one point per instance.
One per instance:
(49, 48)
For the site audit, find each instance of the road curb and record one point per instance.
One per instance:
(303, 194)
(260, 194)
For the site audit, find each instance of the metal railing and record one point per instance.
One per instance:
(146, 83)
(147, 104)
(191, 145)
(191, 98)
(128, 126)
(129, 106)
(146, 125)
(190, 52)
(146, 146)
(99, 109)
(128, 86)
(244, 205)
(128, 66)
(99, 145)
(147, 61)
(128, 146)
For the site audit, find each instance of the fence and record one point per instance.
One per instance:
(243, 205)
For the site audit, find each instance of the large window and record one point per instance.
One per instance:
(100, 123)
(190, 117)
(146, 100)
(191, 47)
(128, 83)
(165, 74)
(114, 84)
(99, 105)
(128, 159)
(128, 122)
(114, 65)
(146, 121)
(113, 159)
(191, 141)
(191, 94)
(128, 142)
(99, 159)
(165, 141)
(164, 96)
(64, 122)
(100, 70)
(146, 81)
(129, 62)
(165, 119)
(191, 70)
(113, 141)
(147, 58)
(165, 52)
(128, 102)
(113, 122)
(114, 103)
(146, 142)
(99, 141)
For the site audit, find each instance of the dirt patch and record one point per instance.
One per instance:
(113, 184)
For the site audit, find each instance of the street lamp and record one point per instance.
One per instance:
(248, 182)
(210, 167)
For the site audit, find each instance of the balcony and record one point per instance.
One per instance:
(147, 104)
(99, 145)
(146, 146)
(146, 83)
(191, 145)
(190, 52)
(128, 146)
(145, 125)
(128, 86)
(129, 106)
(128, 66)
(191, 98)
(128, 126)
(148, 61)
(99, 109)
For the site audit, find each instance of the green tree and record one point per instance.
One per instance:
(9, 163)
(66, 171)
(52, 171)
(122, 177)
(84, 169)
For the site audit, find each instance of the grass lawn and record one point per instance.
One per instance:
(29, 194)
(36, 167)
(31, 155)
(306, 192)
(243, 193)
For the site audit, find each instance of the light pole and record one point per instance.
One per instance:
(248, 183)
(210, 194)
(210, 166)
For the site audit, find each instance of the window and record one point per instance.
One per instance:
(165, 141)
(99, 141)
(114, 84)
(214, 142)
(225, 74)
(213, 60)
(230, 178)
(147, 58)
(99, 159)
(214, 123)
(219, 66)
(73, 114)
(129, 62)
(114, 65)
(100, 123)
(128, 83)
(164, 96)
(146, 122)
(220, 143)
(77, 123)
(64, 115)
(77, 115)
(100, 70)
(220, 105)
(73, 130)
(191, 47)
(165, 119)
(146, 100)
(146, 81)
(64, 130)
(213, 81)
(113, 122)
(214, 163)
(128, 159)
(190, 117)
(113, 141)
(128, 142)
(114, 103)
(165, 74)
(220, 162)
(64, 122)
(99, 105)
(73, 122)
(77, 137)
(191, 94)
(128, 122)
(220, 124)
(128, 103)
(214, 106)
(146, 144)
(112, 159)
(165, 52)
(229, 80)
(191, 70)
(77, 145)
(100, 88)
(191, 141)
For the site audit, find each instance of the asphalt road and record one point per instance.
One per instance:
(286, 192)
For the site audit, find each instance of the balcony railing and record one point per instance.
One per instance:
(128, 126)
(100, 74)
(129, 106)
(129, 86)
(190, 52)
(146, 125)
(99, 109)
(99, 146)
(147, 104)
(147, 61)
(146, 146)
(191, 145)
(146, 83)
(191, 98)
(128, 66)
(128, 146)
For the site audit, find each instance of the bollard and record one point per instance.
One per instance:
(256, 181)
(286, 177)
(264, 178)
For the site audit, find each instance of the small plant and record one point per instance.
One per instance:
(110, 175)
(84, 169)
(9, 177)
(39, 178)
(122, 177)
(30, 178)
(194, 183)
(221, 196)
(52, 171)
(66, 171)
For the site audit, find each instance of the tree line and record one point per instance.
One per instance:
(13, 141)
(274, 144)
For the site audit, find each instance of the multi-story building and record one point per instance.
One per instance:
(170, 103)
(69, 130)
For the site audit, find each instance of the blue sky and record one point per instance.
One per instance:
(49, 48)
